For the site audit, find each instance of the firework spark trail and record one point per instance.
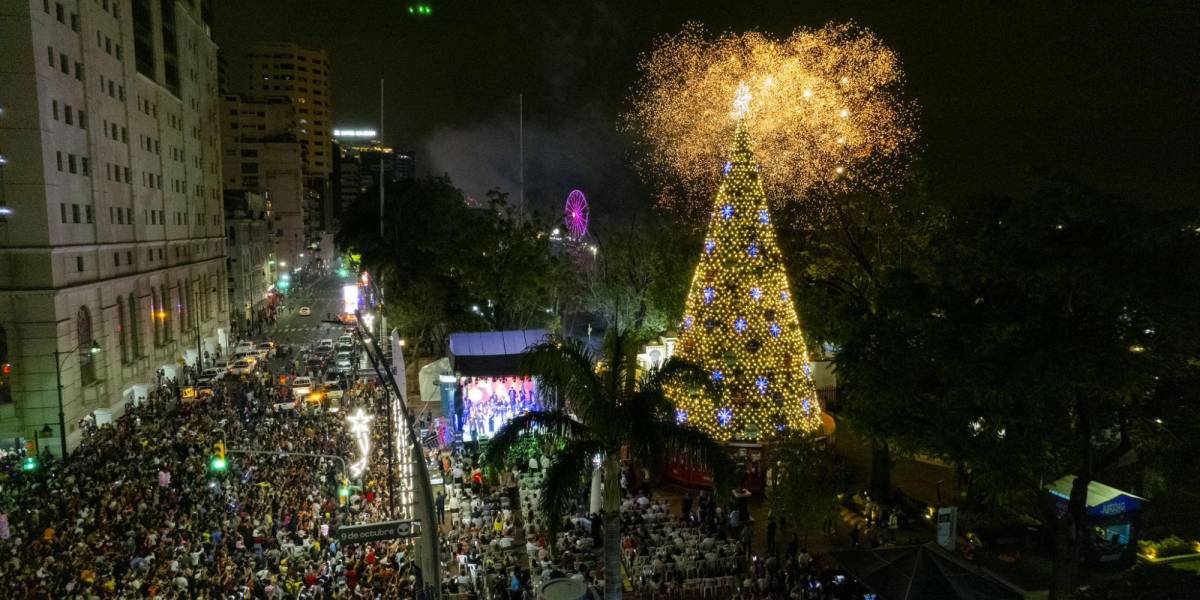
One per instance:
(824, 110)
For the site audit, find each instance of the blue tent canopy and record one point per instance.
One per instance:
(1102, 500)
(491, 353)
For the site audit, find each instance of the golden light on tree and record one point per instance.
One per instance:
(821, 105)
(740, 323)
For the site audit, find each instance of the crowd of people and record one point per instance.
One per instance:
(138, 512)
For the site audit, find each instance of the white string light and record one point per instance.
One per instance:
(360, 428)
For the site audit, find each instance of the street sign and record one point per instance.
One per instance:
(947, 525)
(374, 532)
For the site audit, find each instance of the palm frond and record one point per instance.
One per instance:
(683, 441)
(565, 366)
(557, 423)
(564, 480)
(645, 414)
(620, 362)
(678, 372)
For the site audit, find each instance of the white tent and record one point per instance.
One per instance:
(428, 379)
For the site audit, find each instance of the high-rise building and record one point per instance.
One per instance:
(360, 161)
(249, 250)
(112, 265)
(302, 76)
(260, 154)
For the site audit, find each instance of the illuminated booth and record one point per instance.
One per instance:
(488, 390)
(1113, 516)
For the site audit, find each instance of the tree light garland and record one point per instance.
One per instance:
(751, 343)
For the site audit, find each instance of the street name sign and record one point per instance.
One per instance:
(374, 532)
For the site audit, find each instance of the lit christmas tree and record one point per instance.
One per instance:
(739, 322)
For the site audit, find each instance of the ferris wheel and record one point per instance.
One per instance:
(575, 214)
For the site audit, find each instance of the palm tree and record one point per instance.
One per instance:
(612, 407)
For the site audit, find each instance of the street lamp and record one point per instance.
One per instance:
(59, 357)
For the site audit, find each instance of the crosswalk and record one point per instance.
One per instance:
(303, 329)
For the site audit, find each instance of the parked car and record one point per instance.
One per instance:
(301, 386)
(304, 311)
(210, 375)
(333, 379)
(242, 367)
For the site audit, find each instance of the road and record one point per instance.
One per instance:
(324, 296)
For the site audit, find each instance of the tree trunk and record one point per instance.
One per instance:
(881, 469)
(613, 581)
(1070, 531)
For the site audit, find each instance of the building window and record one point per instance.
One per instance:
(5, 370)
(87, 362)
(54, 109)
(186, 317)
(84, 167)
(71, 165)
(135, 327)
(165, 315)
(155, 312)
(116, 259)
(63, 209)
(121, 325)
(89, 213)
(75, 215)
(79, 264)
(50, 54)
(68, 114)
(64, 65)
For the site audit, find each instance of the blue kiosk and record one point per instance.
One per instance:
(1113, 515)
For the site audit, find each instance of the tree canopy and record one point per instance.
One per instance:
(447, 265)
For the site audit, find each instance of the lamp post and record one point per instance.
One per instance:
(59, 357)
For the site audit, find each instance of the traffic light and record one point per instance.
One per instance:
(343, 491)
(30, 463)
(217, 463)
(423, 10)
(343, 273)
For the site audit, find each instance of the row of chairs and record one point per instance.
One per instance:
(692, 589)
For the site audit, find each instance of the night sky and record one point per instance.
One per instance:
(1106, 93)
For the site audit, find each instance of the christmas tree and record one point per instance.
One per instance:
(739, 323)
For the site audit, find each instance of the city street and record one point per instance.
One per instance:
(323, 296)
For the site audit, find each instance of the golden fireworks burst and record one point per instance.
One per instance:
(822, 107)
